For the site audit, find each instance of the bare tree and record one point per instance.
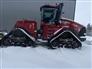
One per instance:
(89, 29)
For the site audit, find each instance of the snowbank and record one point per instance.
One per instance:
(42, 58)
(88, 40)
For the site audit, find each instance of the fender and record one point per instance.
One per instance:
(32, 38)
(59, 32)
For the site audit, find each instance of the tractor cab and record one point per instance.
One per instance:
(50, 17)
(51, 13)
(48, 13)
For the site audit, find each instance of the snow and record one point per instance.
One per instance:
(88, 40)
(43, 58)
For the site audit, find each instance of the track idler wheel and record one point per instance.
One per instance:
(54, 45)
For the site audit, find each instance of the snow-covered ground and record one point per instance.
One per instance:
(43, 58)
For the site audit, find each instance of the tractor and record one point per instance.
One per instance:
(55, 31)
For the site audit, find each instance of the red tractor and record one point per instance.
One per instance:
(55, 31)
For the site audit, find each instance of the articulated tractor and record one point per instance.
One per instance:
(55, 31)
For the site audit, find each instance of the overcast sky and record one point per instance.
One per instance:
(83, 12)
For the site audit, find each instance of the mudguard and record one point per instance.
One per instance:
(32, 38)
(62, 36)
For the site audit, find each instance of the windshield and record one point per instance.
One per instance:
(48, 15)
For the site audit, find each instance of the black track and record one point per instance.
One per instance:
(16, 38)
(66, 39)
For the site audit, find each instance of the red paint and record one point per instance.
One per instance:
(49, 29)
(29, 26)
